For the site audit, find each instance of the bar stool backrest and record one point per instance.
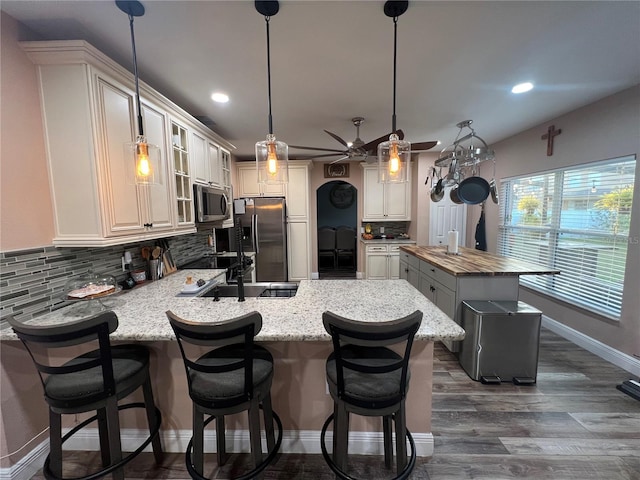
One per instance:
(371, 336)
(85, 331)
(238, 331)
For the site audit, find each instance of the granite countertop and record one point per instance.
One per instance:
(476, 262)
(141, 312)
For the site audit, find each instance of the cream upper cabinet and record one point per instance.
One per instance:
(89, 112)
(199, 160)
(299, 232)
(182, 174)
(205, 160)
(385, 201)
(248, 186)
(298, 192)
(215, 168)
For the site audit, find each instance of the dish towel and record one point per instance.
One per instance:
(481, 234)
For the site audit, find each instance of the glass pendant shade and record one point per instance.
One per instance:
(394, 159)
(144, 161)
(272, 161)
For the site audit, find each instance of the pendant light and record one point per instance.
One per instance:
(143, 158)
(272, 156)
(394, 156)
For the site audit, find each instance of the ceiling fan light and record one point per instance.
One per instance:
(272, 161)
(394, 159)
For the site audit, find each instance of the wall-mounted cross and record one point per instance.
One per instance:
(551, 132)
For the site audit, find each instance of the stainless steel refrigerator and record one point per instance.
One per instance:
(264, 231)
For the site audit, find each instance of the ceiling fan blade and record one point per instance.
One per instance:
(341, 158)
(418, 147)
(319, 149)
(373, 145)
(310, 157)
(337, 138)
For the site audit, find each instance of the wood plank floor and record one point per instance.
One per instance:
(573, 424)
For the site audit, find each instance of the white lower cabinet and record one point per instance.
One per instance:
(382, 262)
(298, 251)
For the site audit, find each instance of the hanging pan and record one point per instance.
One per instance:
(473, 190)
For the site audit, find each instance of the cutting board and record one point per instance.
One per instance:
(168, 265)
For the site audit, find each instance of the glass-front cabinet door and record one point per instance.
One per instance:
(182, 177)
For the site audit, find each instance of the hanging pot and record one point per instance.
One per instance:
(494, 191)
(437, 192)
(453, 194)
(473, 190)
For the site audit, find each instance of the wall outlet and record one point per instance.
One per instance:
(381, 230)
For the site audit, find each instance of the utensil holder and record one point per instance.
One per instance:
(154, 274)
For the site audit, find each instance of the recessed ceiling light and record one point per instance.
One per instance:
(522, 87)
(220, 97)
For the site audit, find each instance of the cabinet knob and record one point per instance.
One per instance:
(432, 288)
(148, 225)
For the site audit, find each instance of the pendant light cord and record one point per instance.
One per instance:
(135, 74)
(266, 19)
(395, 44)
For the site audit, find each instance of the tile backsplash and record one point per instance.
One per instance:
(32, 280)
(390, 228)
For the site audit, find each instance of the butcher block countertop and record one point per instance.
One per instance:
(475, 262)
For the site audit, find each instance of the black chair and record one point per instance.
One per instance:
(327, 245)
(346, 245)
(233, 377)
(367, 378)
(95, 380)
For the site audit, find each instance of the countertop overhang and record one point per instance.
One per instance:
(475, 262)
(141, 312)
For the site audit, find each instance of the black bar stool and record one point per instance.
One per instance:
(95, 380)
(233, 377)
(367, 378)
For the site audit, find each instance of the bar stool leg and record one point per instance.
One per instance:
(55, 443)
(341, 433)
(113, 428)
(267, 413)
(388, 441)
(401, 437)
(103, 431)
(150, 409)
(254, 433)
(198, 440)
(221, 441)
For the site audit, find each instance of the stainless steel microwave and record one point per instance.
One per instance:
(211, 204)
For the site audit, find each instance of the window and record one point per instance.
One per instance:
(574, 220)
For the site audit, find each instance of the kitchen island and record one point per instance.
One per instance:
(448, 279)
(292, 330)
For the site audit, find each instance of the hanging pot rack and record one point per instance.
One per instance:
(461, 156)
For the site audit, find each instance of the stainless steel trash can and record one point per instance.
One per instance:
(501, 342)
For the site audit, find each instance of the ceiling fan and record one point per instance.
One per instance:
(358, 150)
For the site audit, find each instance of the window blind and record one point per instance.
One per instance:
(575, 220)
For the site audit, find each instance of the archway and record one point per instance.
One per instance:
(337, 214)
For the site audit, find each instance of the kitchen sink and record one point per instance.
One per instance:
(254, 290)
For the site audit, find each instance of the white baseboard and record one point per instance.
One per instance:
(28, 465)
(293, 441)
(616, 357)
